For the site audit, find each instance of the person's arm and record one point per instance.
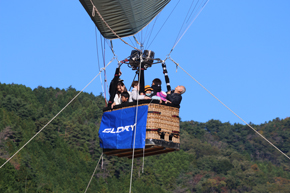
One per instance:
(167, 101)
(130, 97)
(112, 106)
(113, 85)
(117, 99)
(174, 98)
(135, 95)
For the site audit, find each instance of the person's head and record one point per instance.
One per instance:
(135, 84)
(124, 96)
(120, 84)
(148, 90)
(123, 89)
(180, 89)
(156, 81)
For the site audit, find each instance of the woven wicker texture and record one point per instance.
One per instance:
(165, 118)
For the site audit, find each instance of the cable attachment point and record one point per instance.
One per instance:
(136, 40)
(173, 62)
(112, 48)
(170, 52)
(102, 69)
(94, 9)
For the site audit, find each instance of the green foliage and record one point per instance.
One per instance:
(214, 156)
(8, 181)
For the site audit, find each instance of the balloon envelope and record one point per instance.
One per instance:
(125, 17)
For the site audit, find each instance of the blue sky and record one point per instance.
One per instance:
(239, 50)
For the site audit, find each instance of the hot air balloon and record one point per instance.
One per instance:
(146, 127)
(124, 17)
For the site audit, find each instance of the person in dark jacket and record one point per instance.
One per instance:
(156, 86)
(113, 86)
(174, 96)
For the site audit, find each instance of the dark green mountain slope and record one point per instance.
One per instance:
(214, 156)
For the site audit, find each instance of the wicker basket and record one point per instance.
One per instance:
(162, 132)
(164, 118)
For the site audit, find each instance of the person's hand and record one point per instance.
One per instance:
(141, 93)
(167, 101)
(169, 92)
(112, 106)
(120, 73)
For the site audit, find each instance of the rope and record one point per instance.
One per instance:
(104, 62)
(185, 19)
(192, 13)
(57, 113)
(143, 159)
(133, 80)
(231, 110)
(164, 23)
(133, 152)
(93, 14)
(150, 31)
(112, 48)
(94, 173)
(104, 92)
(130, 38)
(188, 26)
(102, 166)
(137, 41)
(144, 148)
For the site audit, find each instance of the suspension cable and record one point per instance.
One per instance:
(104, 62)
(164, 23)
(150, 31)
(136, 41)
(104, 92)
(136, 118)
(112, 48)
(58, 112)
(193, 11)
(94, 173)
(185, 20)
(230, 109)
(93, 14)
(189, 26)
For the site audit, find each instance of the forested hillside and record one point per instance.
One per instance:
(214, 156)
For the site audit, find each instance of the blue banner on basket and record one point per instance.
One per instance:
(118, 127)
